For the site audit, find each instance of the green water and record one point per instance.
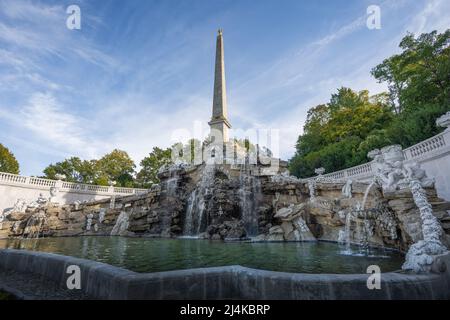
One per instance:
(152, 255)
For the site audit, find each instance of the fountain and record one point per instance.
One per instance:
(197, 203)
(249, 193)
(35, 224)
(121, 225)
(394, 173)
(421, 255)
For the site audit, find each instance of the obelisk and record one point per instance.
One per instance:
(219, 123)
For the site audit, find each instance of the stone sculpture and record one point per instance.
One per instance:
(444, 120)
(53, 192)
(41, 200)
(19, 206)
(89, 218)
(421, 254)
(393, 172)
(312, 190)
(101, 215)
(347, 189)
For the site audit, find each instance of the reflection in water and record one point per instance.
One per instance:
(152, 255)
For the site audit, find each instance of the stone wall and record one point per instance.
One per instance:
(102, 281)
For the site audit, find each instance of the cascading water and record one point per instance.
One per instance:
(249, 193)
(362, 232)
(346, 236)
(197, 203)
(189, 220)
(122, 224)
(366, 193)
(34, 225)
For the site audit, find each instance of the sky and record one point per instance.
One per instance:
(140, 72)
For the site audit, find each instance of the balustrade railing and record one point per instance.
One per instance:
(14, 179)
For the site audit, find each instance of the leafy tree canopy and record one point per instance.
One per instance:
(115, 166)
(8, 162)
(150, 166)
(339, 134)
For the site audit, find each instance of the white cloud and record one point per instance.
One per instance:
(434, 16)
(52, 127)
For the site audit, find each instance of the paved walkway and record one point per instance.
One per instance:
(31, 287)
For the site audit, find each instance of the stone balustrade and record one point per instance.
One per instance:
(14, 187)
(14, 179)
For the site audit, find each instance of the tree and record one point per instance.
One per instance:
(74, 169)
(115, 166)
(339, 134)
(419, 83)
(8, 162)
(150, 165)
(334, 134)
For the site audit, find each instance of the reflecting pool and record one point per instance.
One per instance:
(152, 255)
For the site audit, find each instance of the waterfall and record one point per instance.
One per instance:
(189, 220)
(121, 225)
(34, 225)
(249, 192)
(171, 185)
(346, 235)
(366, 193)
(197, 203)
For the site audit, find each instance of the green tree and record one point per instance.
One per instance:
(115, 166)
(74, 169)
(339, 134)
(334, 134)
(8, 162)
(419, 84)
(150, 165)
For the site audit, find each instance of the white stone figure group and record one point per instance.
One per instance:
(41, 200)
(421, 254)
(19, 206)
(393, 172)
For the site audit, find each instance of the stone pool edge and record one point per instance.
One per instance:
(103, 281)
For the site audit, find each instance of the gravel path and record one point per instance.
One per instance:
(31, 287)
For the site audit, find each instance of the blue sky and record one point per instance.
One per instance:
(139, 70)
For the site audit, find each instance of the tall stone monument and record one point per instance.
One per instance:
(219, 123)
